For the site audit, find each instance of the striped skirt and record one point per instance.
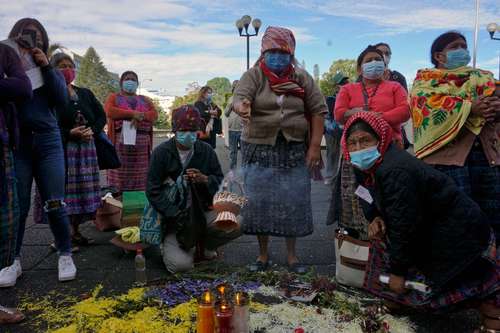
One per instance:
(133, 173)
(9, 209)
(278, 188)
(457, 293)
(82, 180)
(479, 181)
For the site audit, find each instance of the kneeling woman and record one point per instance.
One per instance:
(425, 229)
(193, 167)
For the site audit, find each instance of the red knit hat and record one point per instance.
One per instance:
(186, 118)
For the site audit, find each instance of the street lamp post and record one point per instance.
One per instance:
(244, 23)
(492, 29)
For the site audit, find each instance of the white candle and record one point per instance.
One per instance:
(241, 315)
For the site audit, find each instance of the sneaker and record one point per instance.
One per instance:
(9, 275)
(67, 269)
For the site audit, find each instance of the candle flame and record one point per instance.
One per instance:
(222, 289)
(238, 298)
(223, 307)
(207, 297)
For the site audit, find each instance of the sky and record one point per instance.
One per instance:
(172, 43)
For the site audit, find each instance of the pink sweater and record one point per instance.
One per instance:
(390, 99)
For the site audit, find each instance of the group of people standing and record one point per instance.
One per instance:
(49, 129)
(432, 217)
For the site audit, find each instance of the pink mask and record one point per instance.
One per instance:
(69, 74)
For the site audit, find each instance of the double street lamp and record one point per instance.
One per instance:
(244, 23)
(492, 29)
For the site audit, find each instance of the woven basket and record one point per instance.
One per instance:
(228, 206)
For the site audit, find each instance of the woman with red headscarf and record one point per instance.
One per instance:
(425, 229)
(282, 108)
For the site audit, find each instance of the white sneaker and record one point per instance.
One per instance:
(9, 275)
(67, 269)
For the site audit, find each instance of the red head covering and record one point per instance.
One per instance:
(277, 38)
(379, 126)
(186, 118)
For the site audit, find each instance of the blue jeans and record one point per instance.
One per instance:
(234, 140)
(41, 156)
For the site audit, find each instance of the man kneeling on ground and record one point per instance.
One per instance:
(192, 167)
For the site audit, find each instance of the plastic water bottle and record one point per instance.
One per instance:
(140, 268)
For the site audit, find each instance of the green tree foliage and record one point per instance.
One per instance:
(189, 98)
(164, 117)
(221, 86)
(94, 76)
(345, 66)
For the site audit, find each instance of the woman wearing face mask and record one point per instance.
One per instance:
(457, 123)
(425, 228)
(128, 111)
(193, 165)
(81, 119)
(282, 108)
(391, 75)
(40, 153)
(386, 99)
(210, 113)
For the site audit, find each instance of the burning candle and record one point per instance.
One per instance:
(222, 290)
(205, 322)
(241, 314)
(224, 316)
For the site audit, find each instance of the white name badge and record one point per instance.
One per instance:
(129, 133)
(36, 78)
(364, 194)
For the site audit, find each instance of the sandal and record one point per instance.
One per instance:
(81, 240)
(258, 266)
(297, 268)
(10, 316)
(490, 317)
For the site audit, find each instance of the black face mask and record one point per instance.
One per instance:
(28, 39)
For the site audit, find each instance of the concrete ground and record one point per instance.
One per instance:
(105, 264)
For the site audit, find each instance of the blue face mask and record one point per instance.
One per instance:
(364, 159)
(187, 139)
(373, 70)
(457, 58)
(209, 98)
(277, 61)
(129, 86)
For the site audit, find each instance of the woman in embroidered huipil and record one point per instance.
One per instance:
(123, 109)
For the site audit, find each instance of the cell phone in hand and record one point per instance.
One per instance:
(27, 39)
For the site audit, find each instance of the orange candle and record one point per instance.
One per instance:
(205, 321)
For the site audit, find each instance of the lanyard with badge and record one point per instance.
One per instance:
(366, 97)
